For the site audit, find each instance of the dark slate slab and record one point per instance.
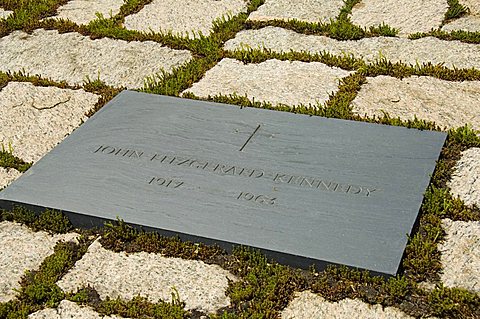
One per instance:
(303, 189)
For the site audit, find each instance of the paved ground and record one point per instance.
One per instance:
(264, 57)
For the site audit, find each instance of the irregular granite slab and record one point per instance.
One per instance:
(183, 17)
(304, 10)
(420, 51)
(305, 190)
(74, 58)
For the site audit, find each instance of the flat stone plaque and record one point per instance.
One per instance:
(303, 189)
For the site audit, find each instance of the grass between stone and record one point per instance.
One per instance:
(265, 287)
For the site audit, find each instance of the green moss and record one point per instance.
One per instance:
(138, 307)
(265, 288)
(8, 160)
(455, 11)
(27, 13)
(49, 220)
(119, 236)
(463, 36)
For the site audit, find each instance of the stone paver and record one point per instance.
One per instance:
(309, 305)
(469, 22)
(424, 50)
(181, 17)
(409, 16)
(69, 310)
(278, 82)
(72, 57)
(22, 249)
(460, 255)
(465, 181)
(449, 104)
(84, 11)
(303, 10)
(199, 285)
(8, 175)
(4, 13)
(34, 119)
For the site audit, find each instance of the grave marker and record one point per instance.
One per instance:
(303, 189)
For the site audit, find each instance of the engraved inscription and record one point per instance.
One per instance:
(165, 182)
(307, 182)
(261, 199)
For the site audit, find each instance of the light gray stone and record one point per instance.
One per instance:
(469, 23)
(303, 10)
(309, 305)
(278, 82)
(72, 57)
(420, 51)
(8, 175)
(460, 255)
(183, 17)
(69, 310)
(4, 13)
(465, 181)
(21, 250)
(84, 11)
(34, 119)
(449, 104)
(409, 16)
(199, 285)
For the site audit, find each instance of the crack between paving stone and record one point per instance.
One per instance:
(49, 107)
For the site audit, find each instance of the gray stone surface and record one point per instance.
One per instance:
(21, 250)
(303, 10)
(469, 23)
(8, 175)
(113, 275)
(184, 16)
(4, 13)
(460, 255)
(312, 306)
(33, 119)
(69, 310)
(449, 104)
(84, 11)
(278, 82)
(409, 16)
(465, 181)
(424, 50)
(72, 57)
(334, 191)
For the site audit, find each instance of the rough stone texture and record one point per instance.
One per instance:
(465, 181)
(303, 10)
(424, 50)
(409, 16)
(201, 286)
(470, 22)
(4, 13)
(309, 305)
(34, 119)
(69, 310)
(449, 104)
(73, 57)
(278, 82)
(84, 11)
(22, 249)
(460, 255)
(8, 175)
(181, 17)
